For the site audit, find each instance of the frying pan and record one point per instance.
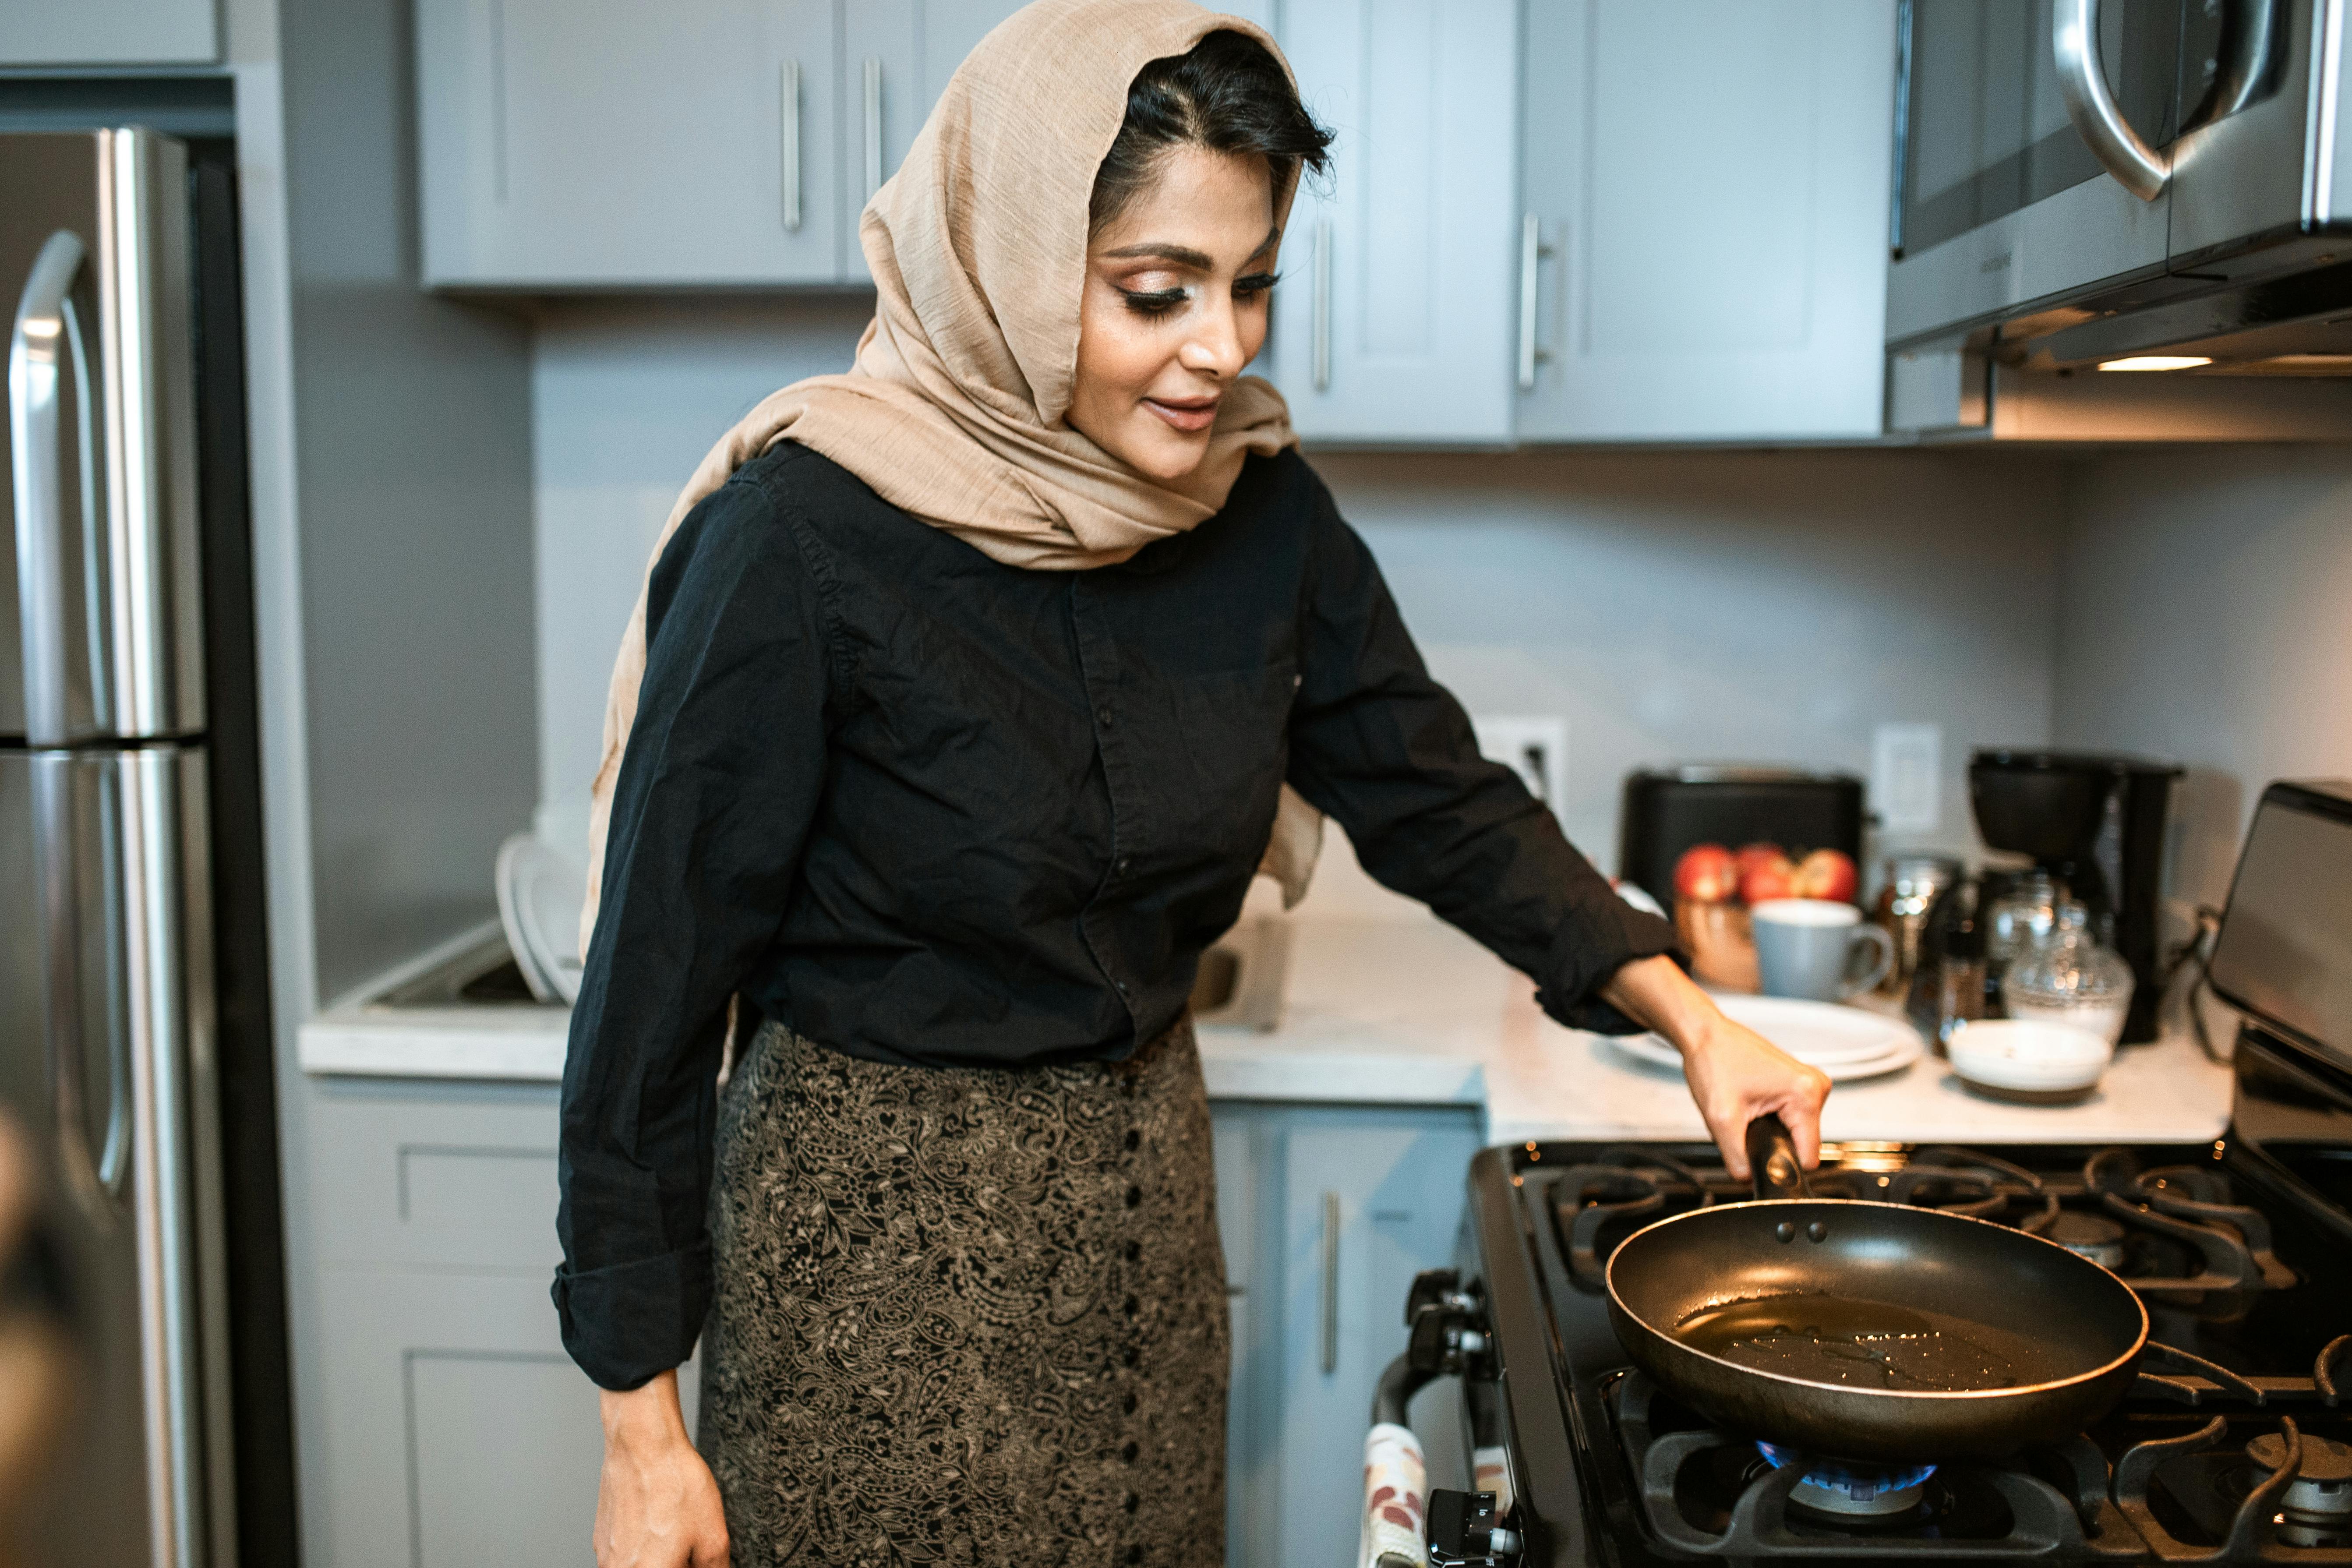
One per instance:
(1871, 1331)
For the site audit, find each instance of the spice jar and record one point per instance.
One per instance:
(1913, 882)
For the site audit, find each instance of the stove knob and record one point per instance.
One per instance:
(1431, 1343)
(1463, 1532)
(1430, 1288)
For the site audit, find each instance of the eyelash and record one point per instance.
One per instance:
(1159, 302)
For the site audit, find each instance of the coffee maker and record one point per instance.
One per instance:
(2096, 825)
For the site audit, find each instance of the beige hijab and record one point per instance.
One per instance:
(954, 409)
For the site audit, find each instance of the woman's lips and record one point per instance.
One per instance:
(1188, 416)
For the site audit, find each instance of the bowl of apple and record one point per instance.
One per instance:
(1715, 886)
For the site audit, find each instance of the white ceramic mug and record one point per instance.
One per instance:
(1806, 947)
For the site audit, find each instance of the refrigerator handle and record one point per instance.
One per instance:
(77, 845)
(47, 345)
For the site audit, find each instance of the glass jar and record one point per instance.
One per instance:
(2024, 914)
(2068, 978)
(1948, 988)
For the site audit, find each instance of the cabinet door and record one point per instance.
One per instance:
(108, 32)
(1393, 322)
(1248, 1172)
(1371, 1197)
(692, 143)
(898, 55)
(1707, 186)
(456, 1429)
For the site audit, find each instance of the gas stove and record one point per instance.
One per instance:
(2235, 1445)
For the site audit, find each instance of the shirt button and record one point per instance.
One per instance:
(1129, 1452)
(1134, 1196)
(1134, 1250)
(1134, 1139)
(1129, 1403)
(1102, 715)
(1123, 862)
(1122, 986)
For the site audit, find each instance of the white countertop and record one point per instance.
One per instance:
(1411, 1012)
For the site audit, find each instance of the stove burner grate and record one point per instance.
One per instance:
(1710, 1494)
(2173, 1233)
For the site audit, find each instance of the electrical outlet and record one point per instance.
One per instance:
(1906, 772)
(1534, 747)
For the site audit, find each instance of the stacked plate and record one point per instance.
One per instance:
(1846, 1043)
(2038, 1063)
(541, 894)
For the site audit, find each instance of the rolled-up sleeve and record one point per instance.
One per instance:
(724, 767)
(1390, 755)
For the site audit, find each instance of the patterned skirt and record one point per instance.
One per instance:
(966, 1316)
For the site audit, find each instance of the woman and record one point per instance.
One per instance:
(957, 716)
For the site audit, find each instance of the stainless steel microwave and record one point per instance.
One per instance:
(2086, 181)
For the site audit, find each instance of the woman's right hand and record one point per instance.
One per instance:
(657, 1503)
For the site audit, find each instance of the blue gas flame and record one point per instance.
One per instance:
(1863, 1483)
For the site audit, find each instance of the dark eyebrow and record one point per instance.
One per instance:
(1182, 255)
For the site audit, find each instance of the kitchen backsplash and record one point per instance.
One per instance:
(2206, 615)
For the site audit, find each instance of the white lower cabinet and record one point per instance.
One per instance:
(450, 1429)
(1327, 1214)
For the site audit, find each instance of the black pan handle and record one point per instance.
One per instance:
(1772, 1158)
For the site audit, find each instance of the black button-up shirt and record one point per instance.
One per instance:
(929, 809)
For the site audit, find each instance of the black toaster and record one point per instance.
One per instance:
(1669, 810)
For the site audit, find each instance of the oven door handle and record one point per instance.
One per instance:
(2075, 43)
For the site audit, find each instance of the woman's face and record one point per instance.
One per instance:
(1175, 305)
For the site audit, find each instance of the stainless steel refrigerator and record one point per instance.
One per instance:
(112, 1046)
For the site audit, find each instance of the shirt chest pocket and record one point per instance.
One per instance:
(1220, 775)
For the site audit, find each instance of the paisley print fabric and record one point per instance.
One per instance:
(966, 1315)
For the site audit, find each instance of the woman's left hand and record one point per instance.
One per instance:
(1736, 1075)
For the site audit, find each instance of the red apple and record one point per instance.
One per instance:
(1759, 854)
(1772, 876)
(1826, 874)
(1706, 874)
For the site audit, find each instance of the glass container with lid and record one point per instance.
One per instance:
(2067, 977)
(2024, 915)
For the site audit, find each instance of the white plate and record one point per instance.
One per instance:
(1847, 1043)
(541, 894)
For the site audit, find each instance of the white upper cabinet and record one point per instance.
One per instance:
(690, 143)
(1394, 318)
(898, 55)
(619, 144)
(1707, 187)
(108, 32)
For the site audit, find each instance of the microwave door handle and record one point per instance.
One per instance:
(2074, 44)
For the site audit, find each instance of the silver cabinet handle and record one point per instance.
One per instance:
(873, 125)
(59, 585)
(78, 848)
(1532, 251)
(789, 90)
(1330, 1283)
(2075, 42)
(1322, 346)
